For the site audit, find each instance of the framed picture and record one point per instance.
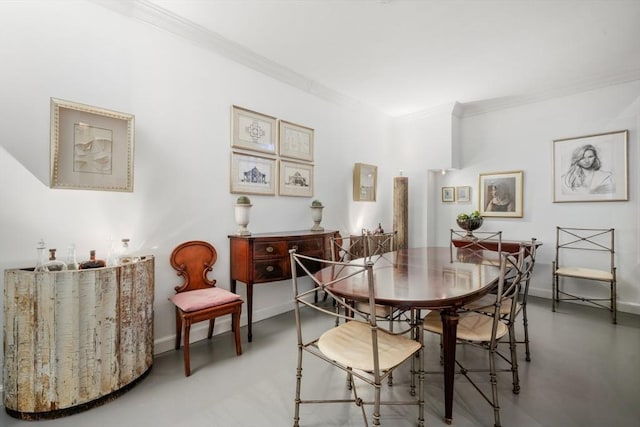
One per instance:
(463, 194)
(591, 168)
(296, 179)
(91, 147)
(365, 178)
(448, 194)
(253, 131)
(501, 194)
(252, 174)
(295, 141)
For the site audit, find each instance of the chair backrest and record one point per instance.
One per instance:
(474, 248)
(193, 260)
(586, 247)
(367, 246)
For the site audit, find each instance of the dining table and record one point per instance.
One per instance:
(429, 278)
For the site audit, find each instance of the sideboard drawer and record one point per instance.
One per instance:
(270, 249)
(271, 270)
(307, 246)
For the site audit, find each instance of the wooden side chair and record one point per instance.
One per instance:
(197, 298)
(594, 250)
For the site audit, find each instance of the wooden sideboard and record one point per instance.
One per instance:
(264, 257)
(75, 339)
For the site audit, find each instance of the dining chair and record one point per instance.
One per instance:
(484, 329)
(593, 259)
(197, 298)
(358, 346)
(530, 250)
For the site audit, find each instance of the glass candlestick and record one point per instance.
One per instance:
(40, 260)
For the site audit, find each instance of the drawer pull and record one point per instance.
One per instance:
(270, 268)
(269, 249)
(294, 247)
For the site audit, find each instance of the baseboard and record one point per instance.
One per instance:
(223, 324)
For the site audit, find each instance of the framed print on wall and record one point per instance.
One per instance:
(463, 194)
(448, 194)
(296, 179)
(591, 168)
(253, 131)
(365, 179)
(501, 194)
(295, 141)
(91, 147)
(252, 174)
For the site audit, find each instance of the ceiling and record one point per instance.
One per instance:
(409, 56)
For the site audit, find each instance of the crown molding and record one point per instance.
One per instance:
(163, 19)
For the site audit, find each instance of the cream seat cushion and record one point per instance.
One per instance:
(585, 273)
(350, 344)
(472, 326)
(486, 303)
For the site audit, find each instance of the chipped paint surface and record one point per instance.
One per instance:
(75, 336)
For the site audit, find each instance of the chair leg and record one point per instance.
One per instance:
(235, 322)
(614, 309)
(554, 287)
(525, 324)
(494, 386)
(376, 406)
(296, 415)
(187, 364)
(212, 323)
(178, 329)
(514, 359)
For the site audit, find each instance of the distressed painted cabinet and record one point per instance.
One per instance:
(75, 339)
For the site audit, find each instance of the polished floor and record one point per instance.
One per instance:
(584, 372)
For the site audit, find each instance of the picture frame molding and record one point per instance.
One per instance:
(238, 186)
(241, 139)
(611, 149)
(448, 194)
(78, 160)
(515, 189)
(365, 174)
(298, 149)
(285, 189)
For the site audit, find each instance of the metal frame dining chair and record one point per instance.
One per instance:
(600, 267)
(484, 328)
(358, 346)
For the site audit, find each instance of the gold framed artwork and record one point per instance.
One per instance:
(365, 179)
(591, 168)
(448, 194)
(295, 141)
(91, 147)
(463, 194)
(501, 194)
(253, 131)
(296, 179)
(252, 174)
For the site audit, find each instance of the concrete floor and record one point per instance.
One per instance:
(584, 372)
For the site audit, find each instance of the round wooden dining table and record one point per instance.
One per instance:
(434, 278)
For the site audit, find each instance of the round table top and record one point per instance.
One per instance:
(430, 277)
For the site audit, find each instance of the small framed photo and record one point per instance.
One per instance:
(365, 179)
(91, 147)
(295, 141)
(253, 131)
(296, 179)
(501, 194)
(591, 168)
(463, 194)
(253, 174)
(448, 194)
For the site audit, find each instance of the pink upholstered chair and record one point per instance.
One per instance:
(197, 298)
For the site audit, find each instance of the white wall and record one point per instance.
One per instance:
(181, 96)
(521, 138)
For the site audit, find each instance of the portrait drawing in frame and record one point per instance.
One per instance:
(501, 194)
(591, 168)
